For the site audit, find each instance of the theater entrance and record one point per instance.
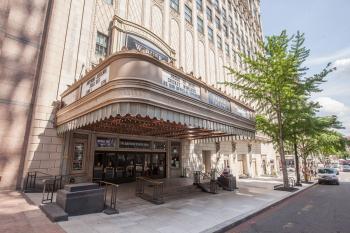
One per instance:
(121, 167)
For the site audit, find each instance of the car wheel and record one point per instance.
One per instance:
(337, 183)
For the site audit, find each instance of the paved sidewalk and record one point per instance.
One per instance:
(201, 213)
(18, 216)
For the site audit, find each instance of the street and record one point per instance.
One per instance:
(320, 209)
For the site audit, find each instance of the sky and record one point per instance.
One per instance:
(326, 24)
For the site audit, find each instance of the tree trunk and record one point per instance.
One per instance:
(281, 151)
(305, 169)
(297, 172)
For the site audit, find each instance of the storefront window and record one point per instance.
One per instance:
(78, 156)
(175, 154)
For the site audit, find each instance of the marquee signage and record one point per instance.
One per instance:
(95, 82)
(218, 101)
(180, 85)
(134, 42)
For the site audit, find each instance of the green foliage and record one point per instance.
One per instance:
(279, 89)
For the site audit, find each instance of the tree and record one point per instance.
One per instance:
(275, 83)
(319, 138)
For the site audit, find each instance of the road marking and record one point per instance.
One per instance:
(307, 207)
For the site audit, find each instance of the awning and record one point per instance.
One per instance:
(119, 110)
(134, 93)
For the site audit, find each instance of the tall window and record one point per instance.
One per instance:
(227, 49)
(210, 34)
(110, 2)
(216, 4)
(219, 42)
(224, 13)
(209, 14)
(225, 30)
(174, 4)
(233, 38)
(199, 4)
(101, 44)
(217, 23)
(200, 25)
(231, 21)
(188, 14)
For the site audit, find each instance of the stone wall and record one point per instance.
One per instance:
(70, 50)
(21, 32)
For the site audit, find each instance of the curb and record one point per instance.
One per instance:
(227, 225)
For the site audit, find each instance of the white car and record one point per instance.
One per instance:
(327, 175)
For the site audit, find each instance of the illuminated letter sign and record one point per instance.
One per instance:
(133, 42)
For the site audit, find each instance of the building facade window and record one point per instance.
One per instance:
(200, 25)
(225, 30)
(219, 42)
(217, 23)
(230, 21)
(101, 44)
(209, 14)
(217, 5)
(210, 34)
(233, 38)
(174, 4)
(224, 13)
(227, 49)
(188, 14)
(199, 5)
(110, 2)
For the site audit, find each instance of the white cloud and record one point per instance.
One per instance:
(331, 106)
(343, 65)
(321, 60)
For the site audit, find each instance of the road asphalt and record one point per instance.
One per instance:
(320, 209)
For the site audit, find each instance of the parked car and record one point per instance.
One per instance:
(336, 167)
(345, 168)
(327, 175)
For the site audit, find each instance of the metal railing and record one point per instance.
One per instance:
(48, 184)
(158, 188)
(110, 201)
(35, 181)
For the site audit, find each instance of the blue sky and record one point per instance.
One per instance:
(326, 24)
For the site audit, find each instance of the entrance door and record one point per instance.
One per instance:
(207, 160)
(242, 165)
(120, 167)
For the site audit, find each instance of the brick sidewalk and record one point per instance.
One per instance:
(19, 216)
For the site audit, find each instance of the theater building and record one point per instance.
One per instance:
(127, 88)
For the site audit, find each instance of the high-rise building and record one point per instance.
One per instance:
(113, 89)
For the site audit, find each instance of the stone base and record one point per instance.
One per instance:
(54, 212)
(78, 199)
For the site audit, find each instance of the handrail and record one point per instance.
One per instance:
(111, 205)
(158, 187)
